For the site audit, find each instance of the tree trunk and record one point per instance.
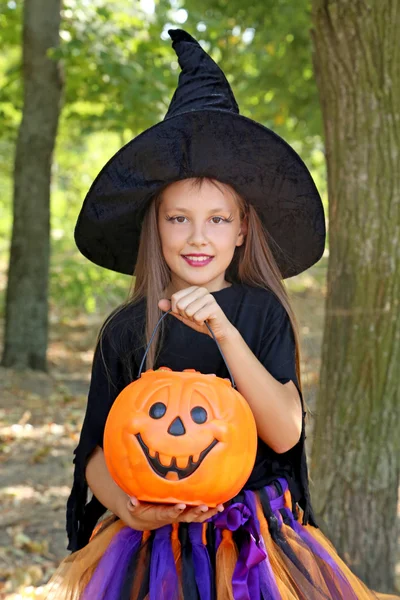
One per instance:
(26, 326)
(356, 452)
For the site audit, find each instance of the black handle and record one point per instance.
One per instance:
(212, 335)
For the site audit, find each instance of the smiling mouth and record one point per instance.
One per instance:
(197, 261)
(173, 472)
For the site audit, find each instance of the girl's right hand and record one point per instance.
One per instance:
(146, 516)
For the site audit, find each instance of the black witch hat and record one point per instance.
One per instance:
(203, 134)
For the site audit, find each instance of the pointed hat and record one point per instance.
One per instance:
(203, 134)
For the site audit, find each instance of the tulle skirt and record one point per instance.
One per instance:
(256, 549)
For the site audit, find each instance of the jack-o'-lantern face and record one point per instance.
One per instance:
(180, 437)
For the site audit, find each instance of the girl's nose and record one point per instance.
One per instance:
(197, 234)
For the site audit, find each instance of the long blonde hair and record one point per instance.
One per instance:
(253, 263)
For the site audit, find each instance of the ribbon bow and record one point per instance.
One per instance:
(245, 579)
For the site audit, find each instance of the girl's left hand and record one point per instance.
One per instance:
(193, 306)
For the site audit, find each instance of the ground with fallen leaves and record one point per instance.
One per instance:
(40, 419)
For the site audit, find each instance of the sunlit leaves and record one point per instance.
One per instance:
(118, 60)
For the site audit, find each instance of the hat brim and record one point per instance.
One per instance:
(229, 147)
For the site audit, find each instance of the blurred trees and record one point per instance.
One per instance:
(27, 297)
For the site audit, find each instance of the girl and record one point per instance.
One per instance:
(211, 211)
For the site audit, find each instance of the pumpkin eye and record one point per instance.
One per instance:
(199, 415)
(158, 410)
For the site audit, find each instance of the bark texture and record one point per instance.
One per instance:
(355, 458)
(26, 328)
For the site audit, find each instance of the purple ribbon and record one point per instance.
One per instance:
(268, 586)
(245, 579)
(163, 574)
(108, 578)
(201, 561)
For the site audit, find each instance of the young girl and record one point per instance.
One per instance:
(210, 211)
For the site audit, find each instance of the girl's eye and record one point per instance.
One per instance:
(175, 219)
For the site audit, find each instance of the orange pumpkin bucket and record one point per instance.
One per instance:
(180, 436)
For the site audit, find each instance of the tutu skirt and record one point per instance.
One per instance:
(256, 549)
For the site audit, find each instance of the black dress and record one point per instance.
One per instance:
(265, 326)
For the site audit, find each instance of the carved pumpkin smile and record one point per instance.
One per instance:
(172, 471)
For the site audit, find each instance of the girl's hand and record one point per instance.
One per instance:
(193, 306)
(146, 516)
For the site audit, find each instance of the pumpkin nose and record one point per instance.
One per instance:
(176, 427)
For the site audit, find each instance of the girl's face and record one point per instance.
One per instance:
(199, 228)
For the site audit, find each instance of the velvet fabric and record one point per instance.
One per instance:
(203, 134)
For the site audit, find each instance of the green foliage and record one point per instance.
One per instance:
(76, 284)
(10, 67)
(116, 67)
(10, 23)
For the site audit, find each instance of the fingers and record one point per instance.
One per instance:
(205, 312)
(148, 516)
(193, 514)
(164, 304)
(182, 299)
(199, 514)
(133, 503)
(213, 511)
(176, 511)
(152, 516)
(167, 513)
